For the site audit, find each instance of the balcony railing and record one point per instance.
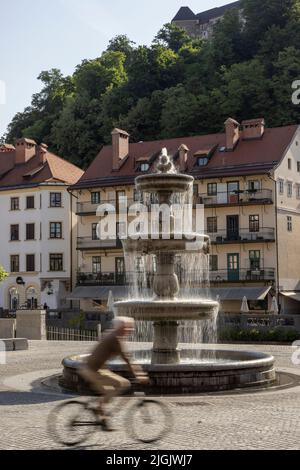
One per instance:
(87, 208)
(242, 275)
(101, 279)
(255, 196)
(88, 243)
(243, 235)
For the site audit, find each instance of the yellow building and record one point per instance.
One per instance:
(248, 180)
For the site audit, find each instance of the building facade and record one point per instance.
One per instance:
(248, 180)
(37, 219)
(202, 24)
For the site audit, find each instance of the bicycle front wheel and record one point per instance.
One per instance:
(71, 423)
(149, 421)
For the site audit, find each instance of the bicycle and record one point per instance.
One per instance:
(82, 420)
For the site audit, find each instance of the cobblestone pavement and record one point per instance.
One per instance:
(262, 420)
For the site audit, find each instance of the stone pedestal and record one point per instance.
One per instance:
(31, 324)
(165, 344)
(7, 328)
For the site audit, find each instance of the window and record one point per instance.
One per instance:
(30, 202)
(202, 161)
(289, 163)
(30, 231)
(121, 230)
(254, 223)
(298, 191)
(55, 200)
(289, 223)
(96, 263)
(212, 224)
(213, 262)
(14, 204)
(136, 196)
(144, 167)
(254, 257)
(298, 167)
(30, 263)
(14, 233)
(212, 189)
(95, 198)
(196, 190)
(281, 187)
(94, 232)
(15, 263)
(56, 262)
(55, 230)
(254, 185)
(290, 189)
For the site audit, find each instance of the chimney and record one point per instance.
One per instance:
(25, 150)
(42, 153)
(120, 147)
(253, 129)
(232, 134)
(183, 157)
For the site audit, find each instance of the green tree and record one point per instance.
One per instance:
(3, 274)
(172, 37)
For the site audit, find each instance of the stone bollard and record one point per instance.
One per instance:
(31, 324)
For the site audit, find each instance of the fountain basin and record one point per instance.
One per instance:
(195, 243)
(208, 371)
(164, 183)
(167, 310)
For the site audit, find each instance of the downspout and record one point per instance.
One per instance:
(276, 241)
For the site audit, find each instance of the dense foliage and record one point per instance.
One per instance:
(178, 86)
(3, 274)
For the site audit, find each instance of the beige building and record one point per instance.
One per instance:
(37, 219)
(248, 180)
(202, 24)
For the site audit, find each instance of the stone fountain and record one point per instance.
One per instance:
(175, 368)
(165, 309)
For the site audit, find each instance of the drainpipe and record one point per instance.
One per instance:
(71, 241)
(276, 241)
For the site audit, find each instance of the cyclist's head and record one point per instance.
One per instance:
(124, 326)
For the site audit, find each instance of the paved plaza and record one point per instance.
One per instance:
(261, 420)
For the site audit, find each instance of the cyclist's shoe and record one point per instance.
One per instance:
(106, 425)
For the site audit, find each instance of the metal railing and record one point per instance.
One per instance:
(243, 235)
(70, 334)
(101, 279)
(258, 320)
(86, 243)
(87, 208)
(262, 196)
(242, 275)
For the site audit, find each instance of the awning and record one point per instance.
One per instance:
(238, 293)
(292, 295)
(98, 293)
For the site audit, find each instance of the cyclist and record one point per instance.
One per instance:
(100, 378)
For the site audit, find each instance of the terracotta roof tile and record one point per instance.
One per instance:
(249, 157)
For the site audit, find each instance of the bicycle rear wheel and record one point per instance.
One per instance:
(149, 421)
(72, 423)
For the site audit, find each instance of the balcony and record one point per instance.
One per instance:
(101, 279)
(236, 198)
(87, 208)
(242, 275)
(88, 243)
(243, 236)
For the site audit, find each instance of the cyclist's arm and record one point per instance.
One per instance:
(135, 369)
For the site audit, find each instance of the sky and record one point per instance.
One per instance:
(38, 35)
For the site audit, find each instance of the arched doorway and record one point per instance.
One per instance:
(31, 298)
(14, 298)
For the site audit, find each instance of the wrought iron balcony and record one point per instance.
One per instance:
(264, 234)
(88, 243)
(101, 279)
(87, 208)
(236, 198)
(242, 275)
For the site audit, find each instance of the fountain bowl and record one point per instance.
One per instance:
(207, 371)
(167, 310)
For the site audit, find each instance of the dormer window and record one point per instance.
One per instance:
(144, 167)
(202, 161)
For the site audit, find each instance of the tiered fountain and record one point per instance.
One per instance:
(189, 368)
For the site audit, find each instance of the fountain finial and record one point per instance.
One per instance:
(165, 165)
